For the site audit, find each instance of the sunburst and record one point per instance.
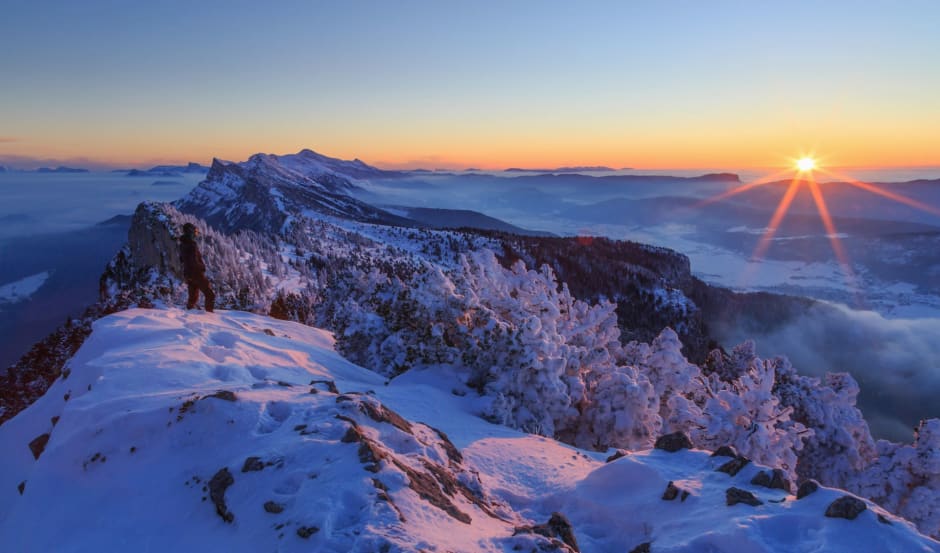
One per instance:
(803, 175)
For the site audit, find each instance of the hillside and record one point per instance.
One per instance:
(186, 431)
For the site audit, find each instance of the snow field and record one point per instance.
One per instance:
(22, 289)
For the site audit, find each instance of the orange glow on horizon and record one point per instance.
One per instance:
(449, 148)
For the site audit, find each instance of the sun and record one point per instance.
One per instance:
(805, 164)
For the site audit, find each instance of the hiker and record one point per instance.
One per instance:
(194, 269)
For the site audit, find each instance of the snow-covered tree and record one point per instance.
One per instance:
(841, 444)
(732, 405)
(620, 410)
(905, 479)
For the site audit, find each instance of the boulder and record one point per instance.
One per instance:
(776, 479)
(273, 507)
(734, 466)
(733, 496)
(673, 491)
(847, 506)
(725, 451)
(307, 531)
(38, 445)
(617, 455)
(557, 526)
(252, 464)
(673, 442)
(806, 488)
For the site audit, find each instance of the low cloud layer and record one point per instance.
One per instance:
(896, 361)
(31, 162)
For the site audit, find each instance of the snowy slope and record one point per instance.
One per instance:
(20, 290)
(313, 164)
(170, 422)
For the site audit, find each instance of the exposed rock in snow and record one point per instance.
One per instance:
(733, 496)
(220, 482)
(846, 506)
(806, 488)
(725, 451)
(673, 442)
(734, 466)
(557, 526)
(775, 479)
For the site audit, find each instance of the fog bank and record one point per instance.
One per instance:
(896, 361)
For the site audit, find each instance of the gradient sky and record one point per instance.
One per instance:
(663, 84)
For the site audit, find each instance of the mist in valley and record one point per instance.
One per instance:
(881, 326)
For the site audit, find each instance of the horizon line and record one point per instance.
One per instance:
(27, 163)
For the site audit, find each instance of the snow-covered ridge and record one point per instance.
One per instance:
(312, 163)
(188, 431)
(266, 192)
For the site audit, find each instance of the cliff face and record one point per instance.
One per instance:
(152, 239)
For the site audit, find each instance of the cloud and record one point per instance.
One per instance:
(896, 361)
(6, 139)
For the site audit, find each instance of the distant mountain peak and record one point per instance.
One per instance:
(267, 191)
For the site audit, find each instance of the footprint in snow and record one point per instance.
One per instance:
(290, 485)
(217, 354)
(224, 339)
(273, 416)
(258, 373)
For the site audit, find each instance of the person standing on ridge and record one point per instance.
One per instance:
(194, 269)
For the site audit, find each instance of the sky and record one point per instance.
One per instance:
(669, 84)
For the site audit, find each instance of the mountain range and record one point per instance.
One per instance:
(378, 380)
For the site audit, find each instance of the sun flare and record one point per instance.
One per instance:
(805, 164)
(802, 177)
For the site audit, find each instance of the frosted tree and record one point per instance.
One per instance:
(841, 444)
(736, 406)
(621, 409)
(677, 383)
(390, 323)
(529, 381)
(905, 479)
